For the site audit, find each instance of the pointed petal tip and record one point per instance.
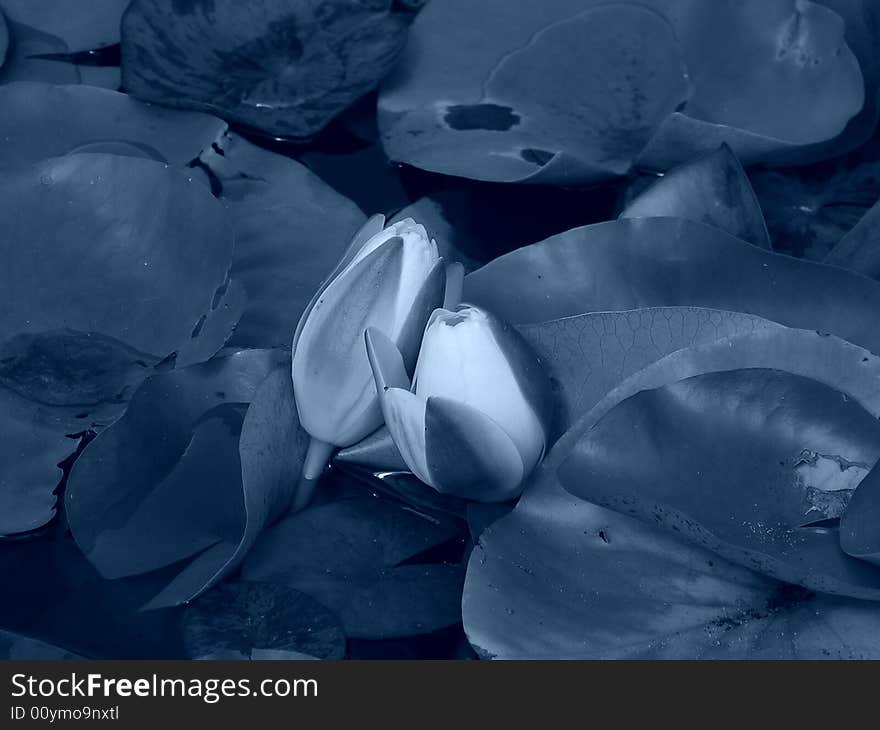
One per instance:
(386, 361)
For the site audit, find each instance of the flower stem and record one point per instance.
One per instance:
(317, 458)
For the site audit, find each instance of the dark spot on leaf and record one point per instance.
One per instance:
(213, 180)
(66, 367)
(198, 327)
(218, 295)
(536, 156)
(788, 595)
(491, 117)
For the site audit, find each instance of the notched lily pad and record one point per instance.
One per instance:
(660, 82)
(283, 68)
(260, 621)
(202, 460)
(290, 231)
(38, 121)
(515, 125)
(744, 462)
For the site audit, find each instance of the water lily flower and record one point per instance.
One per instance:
(390, 279)
(476, 420)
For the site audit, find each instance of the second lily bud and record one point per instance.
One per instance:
(476, 419)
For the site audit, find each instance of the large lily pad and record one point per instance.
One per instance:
(290, 231)
(645, 262)
(601, 584)
(711, 189)
(744, 462)
(283, 68)
(202, 460)
(43, 120)
(347, 554)
(562, 578)
(112, 265)
(674, 92)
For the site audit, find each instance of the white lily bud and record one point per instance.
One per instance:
(390, 279)
(476, 420)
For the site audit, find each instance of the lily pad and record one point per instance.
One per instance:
(122, 247)
(283, 68)
(80, 26)
(260, 621)
(562, 578)
(290, 231)
(353, 535)
(646, 262)
(130, 260)
(651, 594)
(510, 112)
(588, 355)
(749, 463)
(202, 460)
(25, 57)
(862, 20)
(347, 554)
(15, 647)
(860, 523)
(711, 189)
(408, 600)
(36, 439)
(680, 97)
(43, 120)
(858, 250)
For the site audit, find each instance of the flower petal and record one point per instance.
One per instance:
(331, 375)
(468, 454)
